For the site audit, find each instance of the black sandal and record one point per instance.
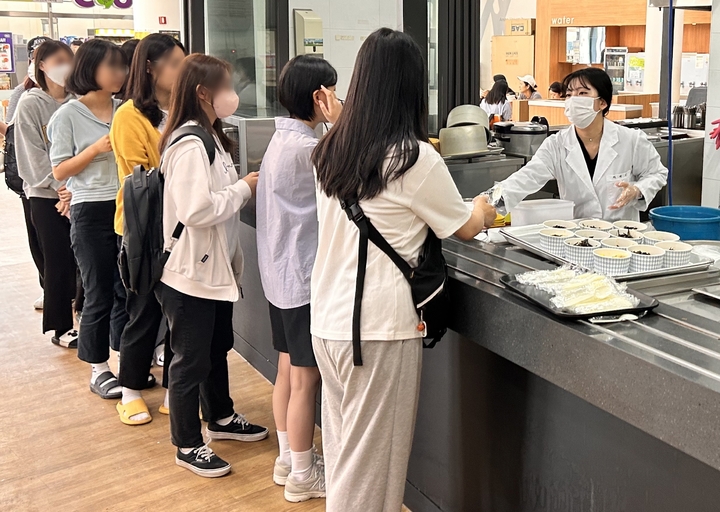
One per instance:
(103, 384)
(151, 381)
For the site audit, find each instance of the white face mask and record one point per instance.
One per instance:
(580, 110)
(31, 72)
(59, 74)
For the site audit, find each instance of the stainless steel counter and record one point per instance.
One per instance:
(680, 342)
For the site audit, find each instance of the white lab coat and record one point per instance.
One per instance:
(625, 154)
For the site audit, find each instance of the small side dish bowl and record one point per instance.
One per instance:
(677, 254)
(646, 258)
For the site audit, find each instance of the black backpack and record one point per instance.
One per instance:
(142, 255)
(428, 281)
(12, 177)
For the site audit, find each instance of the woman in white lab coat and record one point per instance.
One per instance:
(609, 171)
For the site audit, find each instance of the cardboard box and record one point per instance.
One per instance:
(520, 27)
(513, 56)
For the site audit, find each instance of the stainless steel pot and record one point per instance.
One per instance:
(520, 139)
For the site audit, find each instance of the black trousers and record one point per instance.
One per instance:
(201, 336)
(60, 270)
(33, 241)
(139, 338)
(94, 243)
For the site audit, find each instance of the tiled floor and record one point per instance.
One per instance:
(63, 448)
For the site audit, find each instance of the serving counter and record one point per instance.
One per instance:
(520, 411)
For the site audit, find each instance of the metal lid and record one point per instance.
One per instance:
(520, 128)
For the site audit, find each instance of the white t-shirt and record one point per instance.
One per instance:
(425, 196)
(504, 109)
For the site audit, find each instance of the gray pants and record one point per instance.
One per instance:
(368, 420)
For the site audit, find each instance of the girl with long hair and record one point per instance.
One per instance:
(496, 103)
(377, 153)
(200, 281)
(135, 136)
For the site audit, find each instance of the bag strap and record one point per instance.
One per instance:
(368, 232)
(209, 143)
(199, 132)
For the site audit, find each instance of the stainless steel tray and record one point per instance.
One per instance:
(528, 238)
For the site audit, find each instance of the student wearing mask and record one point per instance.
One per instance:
(81, 154)
(135, 136)
(33, 237)
(528, 88)
(200, 281)
(53, 62)
(404, 188)
(609, 171)
(287, 243)
(496, 103)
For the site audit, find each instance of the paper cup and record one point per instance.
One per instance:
(677, 254)
(593, 234)
(630, 224)
(579, 255)
(628, 234)
(653, 237)
(646, 258)
(551, 240)
(560, 224)
(611, 262)
(619, 243)
(600, 225)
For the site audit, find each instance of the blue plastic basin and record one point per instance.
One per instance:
(688, 222)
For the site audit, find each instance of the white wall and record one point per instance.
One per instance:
(148, 12)
(711, 162)
(492, 23)
(346, 24)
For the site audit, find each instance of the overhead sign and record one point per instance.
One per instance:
(7, 53)
(120, 4)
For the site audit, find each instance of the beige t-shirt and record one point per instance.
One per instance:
(425, 196)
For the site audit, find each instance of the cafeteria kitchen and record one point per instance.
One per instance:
(554, 389)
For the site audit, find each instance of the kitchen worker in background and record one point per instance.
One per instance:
(528, 88)
(609, 171)
(556, 91)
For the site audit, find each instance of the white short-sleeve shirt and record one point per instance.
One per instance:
(425, 196)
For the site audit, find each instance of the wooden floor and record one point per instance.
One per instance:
(63, 448)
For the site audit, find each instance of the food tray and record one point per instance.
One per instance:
(528, 238)
(542, 299)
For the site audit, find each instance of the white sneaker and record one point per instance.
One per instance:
(313, 487)
(39, 303)
(159, 358)
(281, 472)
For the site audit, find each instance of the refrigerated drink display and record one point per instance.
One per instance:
(615, 67)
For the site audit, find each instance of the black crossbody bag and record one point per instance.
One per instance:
(428, 281)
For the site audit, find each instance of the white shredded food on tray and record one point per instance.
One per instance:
(579, 292)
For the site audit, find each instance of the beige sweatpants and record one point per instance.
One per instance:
(368, 420)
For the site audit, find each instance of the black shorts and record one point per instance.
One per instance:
(291, 334)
